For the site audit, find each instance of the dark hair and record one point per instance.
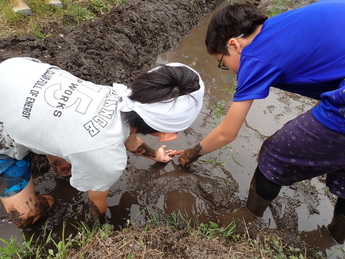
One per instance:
(231, 21)
(163, 84)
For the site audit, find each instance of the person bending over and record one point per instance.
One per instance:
(84, 128)
(300, 51)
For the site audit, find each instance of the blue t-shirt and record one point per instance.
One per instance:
(301, 51)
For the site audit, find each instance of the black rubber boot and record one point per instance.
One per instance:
(256, 204)
(337, 227)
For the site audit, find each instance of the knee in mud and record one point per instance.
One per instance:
(45, 202)
(37, 211)
(20, 221)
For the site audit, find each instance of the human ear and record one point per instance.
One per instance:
(234, 45)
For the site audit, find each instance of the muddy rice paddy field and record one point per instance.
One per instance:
(130, 39)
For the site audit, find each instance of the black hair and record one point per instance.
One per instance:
(231, 21)
(163, 84)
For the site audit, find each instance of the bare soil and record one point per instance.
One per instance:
(116, 48)
(119, 45)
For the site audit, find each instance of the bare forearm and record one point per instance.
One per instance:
(206, 146)
(228, 129)
(223, 134)
(215, 140)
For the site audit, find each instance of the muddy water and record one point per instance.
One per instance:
(213, 189)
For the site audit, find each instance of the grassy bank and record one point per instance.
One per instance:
(162, 237)
(46, 18)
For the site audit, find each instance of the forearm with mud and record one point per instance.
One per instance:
(146, 151)
(95, 212)
(98, 203)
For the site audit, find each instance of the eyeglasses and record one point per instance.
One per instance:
(220, 63)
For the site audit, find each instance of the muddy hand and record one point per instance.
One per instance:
(189, 156)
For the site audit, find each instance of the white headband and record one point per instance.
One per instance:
(169, 117)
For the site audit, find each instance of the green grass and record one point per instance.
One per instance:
(73, 14)
(12, 248)
(46, 246)
(265, 245)
(213, 230)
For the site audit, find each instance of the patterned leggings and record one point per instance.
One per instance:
(304, 149)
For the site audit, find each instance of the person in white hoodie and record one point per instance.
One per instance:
(84, 128)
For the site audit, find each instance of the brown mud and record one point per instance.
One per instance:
(129, 40)
(120, 45)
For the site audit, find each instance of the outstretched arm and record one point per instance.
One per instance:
(222, 135)
(137, 146)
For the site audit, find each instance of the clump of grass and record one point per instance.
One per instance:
(12, 248)
(99, 6)
(72, 14)
(47, 246)
(213, 230)
(162, 236)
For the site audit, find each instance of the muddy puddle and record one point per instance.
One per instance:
(214, 188)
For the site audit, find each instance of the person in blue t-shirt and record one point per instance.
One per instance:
(300, 51)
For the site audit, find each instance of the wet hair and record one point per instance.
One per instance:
(163, 84)
(231, 21)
